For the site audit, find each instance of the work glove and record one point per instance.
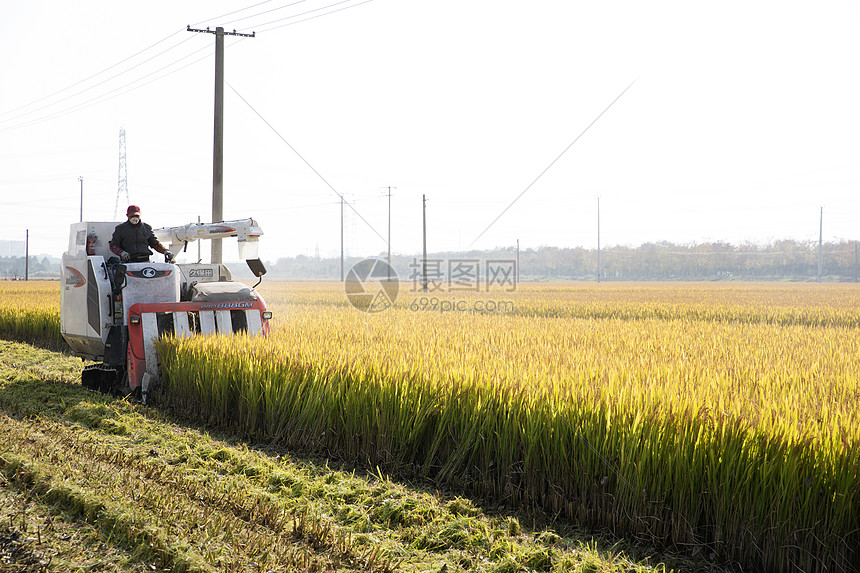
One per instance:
(125, 257)
(168, 257)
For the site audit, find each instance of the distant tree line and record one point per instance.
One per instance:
(779, 260)
(13, 268)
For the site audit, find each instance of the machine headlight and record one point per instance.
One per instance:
(134, 320)
(267, 315)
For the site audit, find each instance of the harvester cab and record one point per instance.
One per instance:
(113, 312)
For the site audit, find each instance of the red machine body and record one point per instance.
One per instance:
(148, 321)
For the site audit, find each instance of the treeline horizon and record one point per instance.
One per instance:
(14, 268)
(785, 259)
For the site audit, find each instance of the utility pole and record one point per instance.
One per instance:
(598, 239)
(424, 261)
(341, 238)
(820, 242)
(389, 230)
(81, 179)
(27, 256)
(856, 261)
(518, 262)
(218, 147)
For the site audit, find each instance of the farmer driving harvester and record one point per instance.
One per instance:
(131, 240)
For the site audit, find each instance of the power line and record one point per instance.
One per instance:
(92, 76)
(102, 82)
(311, 206)
(126, 71)
(107, 96)
(230, 13)
(318, 174)
(547, 168)
(312, 17)
(258, 25)
(303, 13)
(130, 86)
(127, 59)
(266, 12)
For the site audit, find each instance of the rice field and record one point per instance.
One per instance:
(719, 419)
(30, 312)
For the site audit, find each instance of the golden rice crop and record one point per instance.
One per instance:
(830, 304)
(706, 417)
(30, 311)
(716, 417)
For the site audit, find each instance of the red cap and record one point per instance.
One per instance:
(132, 210)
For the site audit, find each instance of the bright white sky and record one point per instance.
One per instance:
(742, 123)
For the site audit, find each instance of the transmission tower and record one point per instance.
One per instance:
(122, 186)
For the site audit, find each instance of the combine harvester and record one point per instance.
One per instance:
(113, 312)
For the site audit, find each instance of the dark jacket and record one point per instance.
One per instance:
(134, 239)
